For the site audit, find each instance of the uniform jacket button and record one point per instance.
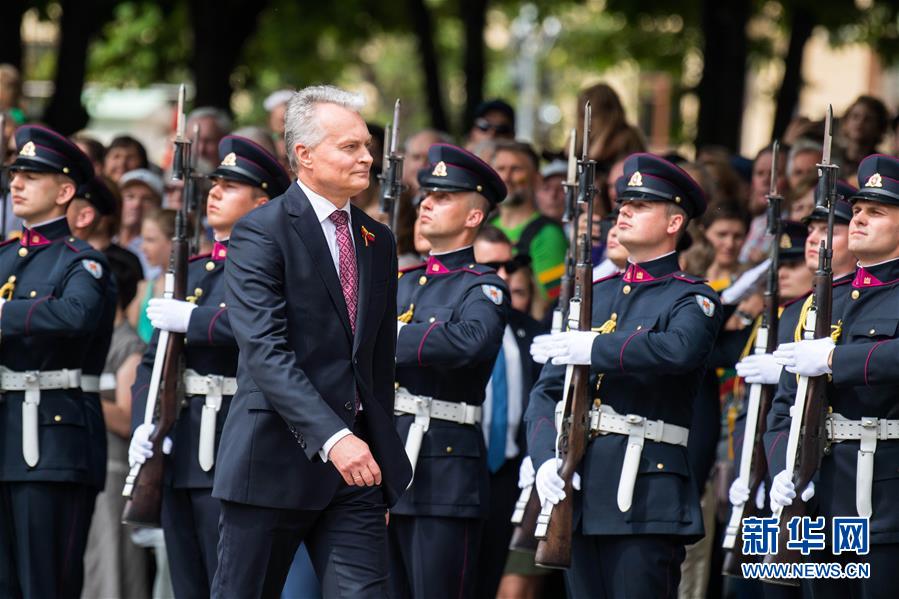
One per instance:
(348, 405)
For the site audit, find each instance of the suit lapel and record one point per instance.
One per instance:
(306, 224)
(363, 268)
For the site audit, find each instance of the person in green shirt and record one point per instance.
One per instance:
(532, 233)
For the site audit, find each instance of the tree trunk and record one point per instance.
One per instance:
(221, 28)
(801, 26)
(10, 32)
(723, 82)
(474, 18)
(80, 22)
(423, 28)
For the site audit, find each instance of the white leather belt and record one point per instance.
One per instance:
(867, 431)
(32, 382)
(605, 420)
(424, 409)
(213, 387)
(90, 383)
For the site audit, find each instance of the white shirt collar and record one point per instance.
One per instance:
(46, 222)
(323, 206)
(868, 266)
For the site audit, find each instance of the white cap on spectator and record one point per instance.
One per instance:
(556, 167)
(145, 176)
(282, 96)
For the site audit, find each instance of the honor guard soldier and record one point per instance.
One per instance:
(450, 329)
(859, 473)
(247, 177)
(51, 307)
(639, 505)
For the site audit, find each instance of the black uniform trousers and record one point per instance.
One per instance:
(43, 534)
(347, 543)
(190, 520)
(883, 560)
(494, 548)
(433, 556)
(602, 567)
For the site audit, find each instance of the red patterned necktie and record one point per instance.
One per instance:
(347, 263)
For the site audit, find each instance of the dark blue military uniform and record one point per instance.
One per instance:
(455, 315)
(665, 325)
(190, 514)
(868, 324)
(55, 286)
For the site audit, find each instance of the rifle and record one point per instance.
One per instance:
(143, 485)
(4, 182)
(527, 508)
(391, 176)
(555, 522)
(191, 197)
(753, 461)
(807, 440)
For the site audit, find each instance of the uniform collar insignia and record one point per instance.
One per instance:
(864, 278)
(219, 251)
(435, 267)
(636, 274)
(32, 238)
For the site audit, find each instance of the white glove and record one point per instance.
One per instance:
(569, 347)
(141, 449)
(783, 490)
(744, 284)
(526, 473)
(759, 368)
(739, 493)
(170, 314)
(806, 358)
(550, 486)
(399, 326)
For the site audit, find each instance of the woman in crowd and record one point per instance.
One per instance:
(157, 230)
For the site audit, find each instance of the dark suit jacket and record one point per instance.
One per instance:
(300, 366)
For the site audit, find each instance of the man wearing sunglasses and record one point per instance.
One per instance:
(493, 119)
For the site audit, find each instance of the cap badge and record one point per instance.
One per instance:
(439, 169)
(229, 160)
(874, 180)
(28, 150)
(636, 180)
(785, 242)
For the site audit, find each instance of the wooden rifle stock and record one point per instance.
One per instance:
(554, 549)
(760, 400)
(144, 506)
(143, 486)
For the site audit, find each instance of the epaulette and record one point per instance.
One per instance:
(75, 244)
(196, 257)
(607, 277)
(688, 278)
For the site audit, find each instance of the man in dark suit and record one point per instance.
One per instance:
(309, 452)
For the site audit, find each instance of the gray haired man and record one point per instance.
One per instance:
(309, 451)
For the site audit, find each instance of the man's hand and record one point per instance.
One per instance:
(526, 473)
(783, 491)
(570, 347)
(170, 314)
(759, 368)
(806, 358)
(354, 462)
(141, 449)
(551, 486)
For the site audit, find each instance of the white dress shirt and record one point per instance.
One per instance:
(323, 208)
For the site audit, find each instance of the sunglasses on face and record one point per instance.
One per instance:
(500, 129)
(516, 263)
